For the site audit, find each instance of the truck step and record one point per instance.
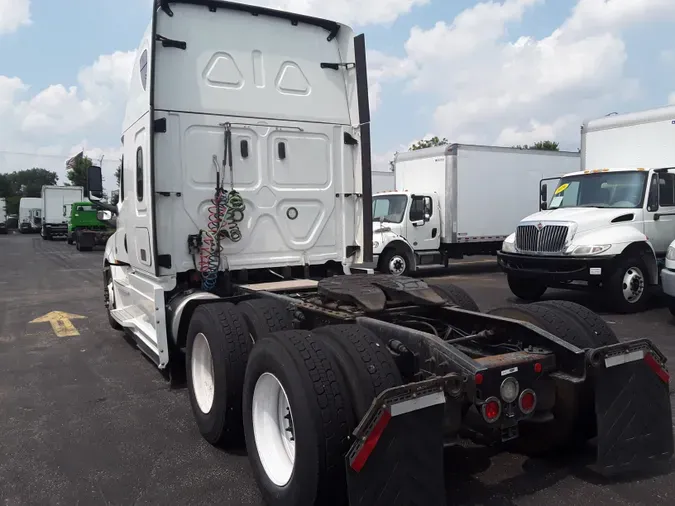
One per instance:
(126, 315)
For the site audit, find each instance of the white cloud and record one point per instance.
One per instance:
(352, 12)
(58, 121)
(671, 98)
(13, 15)
(494, 89)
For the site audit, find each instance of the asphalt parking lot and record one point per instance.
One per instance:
(86, 419)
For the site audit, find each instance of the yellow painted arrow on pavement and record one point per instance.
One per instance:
(61, 324)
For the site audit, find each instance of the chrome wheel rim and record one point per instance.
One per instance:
(633, 285)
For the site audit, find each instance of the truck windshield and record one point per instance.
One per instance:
(603, 190)
(389, 208)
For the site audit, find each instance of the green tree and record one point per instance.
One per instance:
(24, 183)
(77, 170)
(428, 143)
(542, 145)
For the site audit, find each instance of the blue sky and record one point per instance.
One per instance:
(497, 72)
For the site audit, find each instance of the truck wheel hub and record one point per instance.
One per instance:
(273, 429)
(397, 265)
(202, 373)
(633, 284)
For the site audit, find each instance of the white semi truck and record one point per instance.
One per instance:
(30, 215)
(608, 226)
(3, 216)
(56, 201)
(457, 200)
(246, 183)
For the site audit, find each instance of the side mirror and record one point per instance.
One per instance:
(653, 198)
(427, 217)
(94, 182)
(543, 197)
(103, 215)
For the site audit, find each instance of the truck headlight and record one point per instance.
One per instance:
(671, 253)
(508, 247)
(593, 249)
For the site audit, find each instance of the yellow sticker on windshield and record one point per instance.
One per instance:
(561, 188)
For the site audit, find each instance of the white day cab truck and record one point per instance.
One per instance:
(607, 227)
(458, 200)
(3, 216)
(56, 201)
(242, 259)
(30, 212)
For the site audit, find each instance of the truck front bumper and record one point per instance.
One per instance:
(557, 269)
(57, 229)
(668, 282)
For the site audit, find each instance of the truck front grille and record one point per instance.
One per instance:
(547, 239)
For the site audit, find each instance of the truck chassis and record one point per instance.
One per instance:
(408, 358)
(86, 238)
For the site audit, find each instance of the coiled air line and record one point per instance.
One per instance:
(224, 214)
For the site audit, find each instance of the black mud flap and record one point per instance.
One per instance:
(632, 404)
(397, 456)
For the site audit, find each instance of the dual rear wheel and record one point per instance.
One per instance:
(293, 398)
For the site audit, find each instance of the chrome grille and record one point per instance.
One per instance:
(547, 239)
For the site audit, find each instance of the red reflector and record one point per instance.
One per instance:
(527, 401)
(654, 365)
(479, 379)
(492, 410)
(537, 368)
(371, 441)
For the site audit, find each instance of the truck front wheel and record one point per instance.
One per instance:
(395, 262)
(628, 286)
(297, 420)
(528, 289)
(217, 349)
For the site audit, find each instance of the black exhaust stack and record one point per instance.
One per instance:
(366, 162)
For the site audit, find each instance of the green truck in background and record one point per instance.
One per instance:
(85, 230)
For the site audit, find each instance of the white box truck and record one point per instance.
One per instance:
(30, 211)
(607, 227)
(56, 201)
(457, 200)
(383, 180)
(343, 388)
(3, 216)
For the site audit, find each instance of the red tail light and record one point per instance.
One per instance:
(527, 401)
(491, 409)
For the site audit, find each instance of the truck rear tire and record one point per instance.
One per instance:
(456, 295)
(264, 316)
(364, 361)
(297, 420)
(598, 331)
(628, 287)
(217, 349)
(528, 289)
(566, 429)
